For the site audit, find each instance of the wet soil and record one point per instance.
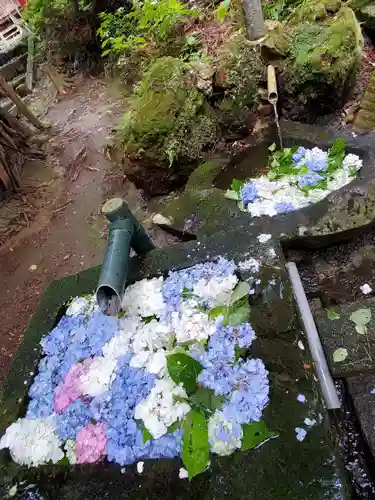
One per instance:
(63, 231)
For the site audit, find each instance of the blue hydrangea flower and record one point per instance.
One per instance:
(283, 207)
(249, 192)
(250, 396)
(316, 160)
(309, 179)
(299, 154)
(72, 419)
(177, 281)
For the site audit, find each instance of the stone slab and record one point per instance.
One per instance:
(202, 208)
(360, 388)
(341, 333)
(283, 468)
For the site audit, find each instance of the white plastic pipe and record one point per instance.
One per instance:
(316, 349)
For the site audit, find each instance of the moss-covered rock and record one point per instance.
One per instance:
(169, 119)
(325, 47)
(239, 71)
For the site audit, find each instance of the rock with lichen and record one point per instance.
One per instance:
(365, 118)
(325, 45)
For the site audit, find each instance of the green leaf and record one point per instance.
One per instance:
(336, 154)
(222, 10)
(361, 317)
(146, 434)
(195, 446)
(232, 195)
(272, 147)
(206, 399)
(237, 185)
(332, 315)
(148, 319)
(218, 311)
(241, 290)
(187, 294)
(237, 313)
(254, 435)
(64, 462)
(340, 355)
(184, 370)
(175, 425)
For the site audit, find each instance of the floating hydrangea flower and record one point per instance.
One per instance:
(134, 301)
(32, 442)
(316, 160)
(249, 192)
(70, 390)
(299, 154)
(224, 435)
(215, 291)
(72, 419)
(284, 207)
(91, 444)
(306, 180)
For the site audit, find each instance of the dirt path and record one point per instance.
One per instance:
(68, 233)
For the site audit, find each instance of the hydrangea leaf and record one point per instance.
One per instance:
(232, 195)
(205, 399)
(174, 426)
(184, 370)
(237, 313)
(361, 329)
(195, 446)
(361, 317)
(64, 462)
(336, 154)
(272, 147)
(340, 355)
(254, 434)
(146, 435)
(241, 290)
(237, 185)
(332, 315)
(218, 311)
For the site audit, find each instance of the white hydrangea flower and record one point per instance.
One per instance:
(190, 324)
(160, 409)
(120, 344)
(99, 376)
(145, 298)
(81, 305)
(217, 290)
(148, 341)
(352, 160)
(33, 442)
(70, 450)
(224, 435)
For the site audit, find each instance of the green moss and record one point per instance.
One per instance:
(169, 119)
(239, 71)
(314, 11)
(322, 56)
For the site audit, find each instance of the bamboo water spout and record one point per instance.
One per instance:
(273, 97)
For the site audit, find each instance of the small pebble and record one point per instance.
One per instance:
(263, 238)
(300, 433)
(183, 473)
(123, 470)
(301, 398)
(372, 391)
(366, 289)
(33, 267)
(300, 345)
(309, 422)
(140, 466)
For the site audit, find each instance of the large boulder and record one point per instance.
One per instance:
(325, 45)
(168, 126)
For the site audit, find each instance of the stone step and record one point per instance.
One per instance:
(341, 333)
(14, 67)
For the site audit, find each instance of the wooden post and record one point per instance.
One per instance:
(21, 106)
(254, 19)
(30, 63)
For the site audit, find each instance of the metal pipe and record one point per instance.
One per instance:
(272, 84)
(316, 349)
(111, 286)
(116, 209)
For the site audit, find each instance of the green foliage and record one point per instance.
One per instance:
(205, 400)
(195, 446)
(280, 163)
(237, 185)
(184, 370)
(332, 315)
(148, 21)
(254, 435)
(235, 314)
(222, 10)
(168, 120)
(38, 12)
(336, 154)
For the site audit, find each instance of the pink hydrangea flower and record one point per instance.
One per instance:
(91, 444)
(70, 390)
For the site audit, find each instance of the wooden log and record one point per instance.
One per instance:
(21, 106)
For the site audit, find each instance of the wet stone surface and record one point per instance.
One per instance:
(341, 333)
(282, 468)
(362, 390)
